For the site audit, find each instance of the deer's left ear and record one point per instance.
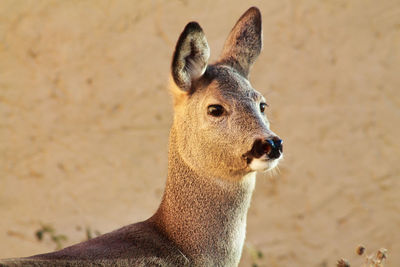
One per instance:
(244, 43)
(191, 55)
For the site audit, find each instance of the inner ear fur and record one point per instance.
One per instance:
(244, 42)
(190, 57)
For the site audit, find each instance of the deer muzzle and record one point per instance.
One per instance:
(272, 148)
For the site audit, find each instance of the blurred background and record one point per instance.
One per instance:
(85, 114)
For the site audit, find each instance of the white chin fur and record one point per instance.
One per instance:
(263, 164)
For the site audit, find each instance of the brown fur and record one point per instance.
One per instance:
(202, 218)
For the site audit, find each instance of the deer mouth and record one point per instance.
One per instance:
(264, 154)
(265, 149)
(263, 164)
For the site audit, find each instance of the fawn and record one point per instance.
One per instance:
(219, 138)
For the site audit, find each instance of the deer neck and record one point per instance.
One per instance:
(204, 216)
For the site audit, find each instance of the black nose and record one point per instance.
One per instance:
(276, 148)
(271, 147)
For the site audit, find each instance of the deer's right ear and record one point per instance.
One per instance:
(190, 57)
(244, 43)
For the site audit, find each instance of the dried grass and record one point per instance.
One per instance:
(376, 259)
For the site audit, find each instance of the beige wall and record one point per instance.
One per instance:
(84, 118)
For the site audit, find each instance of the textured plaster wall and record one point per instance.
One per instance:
(85, 113)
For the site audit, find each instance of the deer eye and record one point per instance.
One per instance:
(215, 110)
(263, 106)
